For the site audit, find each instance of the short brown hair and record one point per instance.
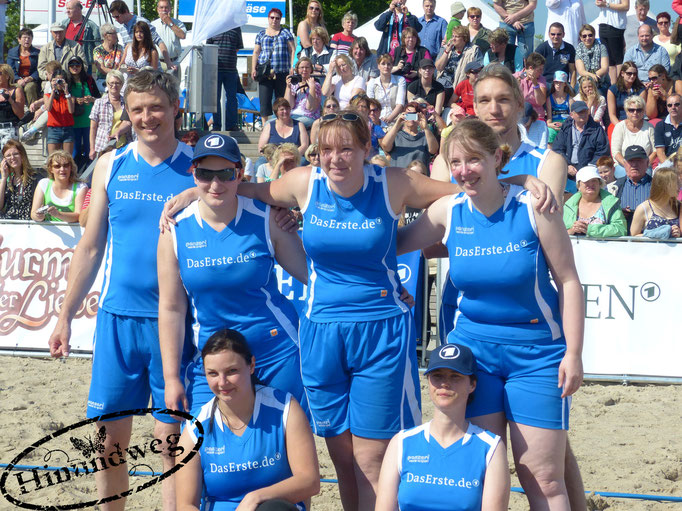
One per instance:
(322, 33)
(279, 102)
(605, 161)
(535, 60)
(498, 36)
(463, 32)
(145, 81)
(119, 6)
(358, 129)
(475, 11)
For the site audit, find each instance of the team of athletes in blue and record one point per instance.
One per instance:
(357, 376)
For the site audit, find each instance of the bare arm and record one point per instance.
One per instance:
(254, 60)
(559, 254)
(264, 136)
(154, 60)
(93, 135)
(553, 173)
(638, 221)
(611, 103)
(172, 314)
(389, 138)
(426, 230)
(86, 258)
(304, 140)
(38, 202)
(288, 250)
(303, 32)
(305, 474)
(389, 478)
(289, 191)
(497, 484)
(189, 480)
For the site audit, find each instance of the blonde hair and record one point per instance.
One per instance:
(311, 149)
(268, 150)
(322, 33)
(634, 100)
(7, 71)
(476, 138)
(664, 188)
(320, 18)
(287, 148)
(346, 59)
(61, 155)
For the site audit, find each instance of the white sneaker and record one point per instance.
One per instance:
(29, 134)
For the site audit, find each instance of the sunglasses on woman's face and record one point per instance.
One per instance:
(206, 175)
(348, 116)
(629, 73)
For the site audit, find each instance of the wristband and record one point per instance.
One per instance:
(67, 96)
(536, 87)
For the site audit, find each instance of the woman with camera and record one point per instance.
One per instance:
(410, 138)
(60, 106)
(407, 56)
(304, 93)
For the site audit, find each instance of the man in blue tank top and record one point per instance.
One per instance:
(129, 188)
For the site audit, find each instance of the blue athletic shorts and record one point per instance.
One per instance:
(283, 374)
(520, 380)
(59, 135)
(126, 366)
(361, 376)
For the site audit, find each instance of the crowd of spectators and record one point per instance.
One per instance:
(613, 91)
(591, 92)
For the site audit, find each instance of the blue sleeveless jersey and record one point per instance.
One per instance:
(499, 269)
(527, 159)
(234, 465)
(137, 192)
(434, 478)
(351, 247)
(230, 280)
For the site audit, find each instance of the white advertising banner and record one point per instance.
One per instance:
(34, 263)
(632, 292)
(632, 302)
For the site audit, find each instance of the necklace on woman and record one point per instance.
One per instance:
(228, 422)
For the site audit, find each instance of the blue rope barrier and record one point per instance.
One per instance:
(615, 495)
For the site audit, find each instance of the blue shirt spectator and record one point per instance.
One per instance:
(433, 28)
(647, 53)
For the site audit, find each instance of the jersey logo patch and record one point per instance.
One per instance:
(214, 142)
(449, 352)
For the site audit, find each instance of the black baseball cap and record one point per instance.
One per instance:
(456, 357)
(633, 152)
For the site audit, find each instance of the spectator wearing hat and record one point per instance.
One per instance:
(391, 25)
(668, 133)
(74, 23)
(464, 92)
(502, 51)
(426, 87)
(558, 103)
(473, 453)
(635, 186)
(593, 211)
(457, 11)
(516, 17)
(60, 49)
(433, 28)
(559, 55)
(536, 130)
(581, 141)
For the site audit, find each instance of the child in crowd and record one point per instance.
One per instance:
(607, 171)
(457, 10)
(558, 104)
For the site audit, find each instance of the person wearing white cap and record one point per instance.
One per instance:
(455, 448)
(593, 211)
(60, 49)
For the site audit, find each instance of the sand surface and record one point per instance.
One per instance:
(626, 438)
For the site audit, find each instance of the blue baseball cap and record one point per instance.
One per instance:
(217, 144)
(457, 357)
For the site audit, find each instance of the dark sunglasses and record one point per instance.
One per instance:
(346, 116)
(372, 110)
(585, 36)
(475, 17)
(635, 110)
(275, 18)
(673, 105)
(475, 71)
(75, 64)
(314, 155)
(312, 8)
(224, 175)
(653, 77)
(630, 73)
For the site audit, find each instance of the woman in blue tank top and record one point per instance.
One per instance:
(257, 445)
(357, 340)
(446, 464)
(526, 336)
(218, 261)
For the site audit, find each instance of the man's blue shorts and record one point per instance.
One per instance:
(126, 366)
(361, 376)
(520, 380)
